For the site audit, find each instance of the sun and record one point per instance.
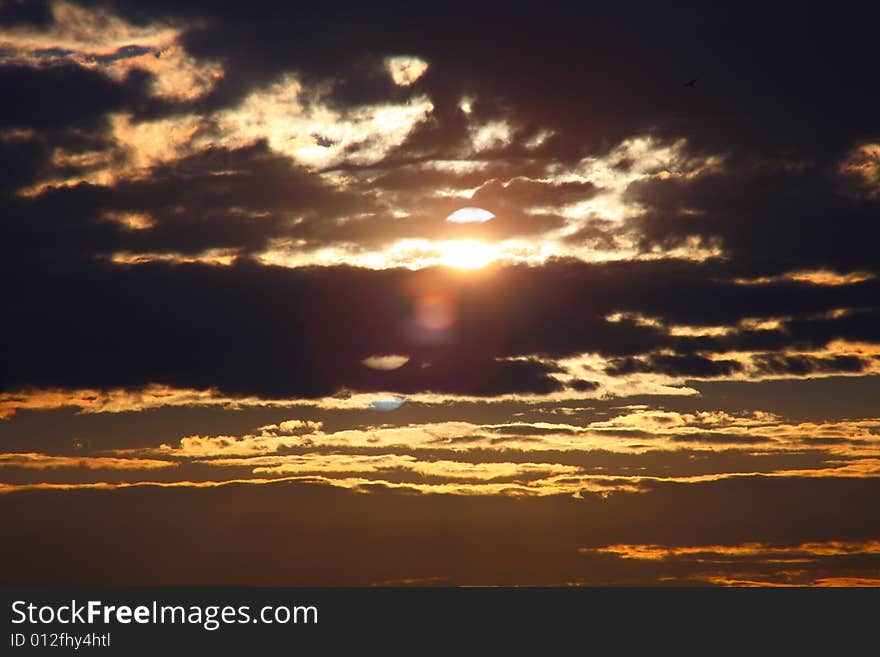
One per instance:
(466, 254)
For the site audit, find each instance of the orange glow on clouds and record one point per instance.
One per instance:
(466, 254)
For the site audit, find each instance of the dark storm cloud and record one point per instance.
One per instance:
(768, 221)
(25, 12)
(20, 162)
(690, 365)
(781, 364)
(279, 332)
(703, 295)
(249, 329)
(64, 96)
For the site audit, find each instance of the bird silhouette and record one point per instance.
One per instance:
(690, 83)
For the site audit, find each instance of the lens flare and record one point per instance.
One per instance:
(434, 312)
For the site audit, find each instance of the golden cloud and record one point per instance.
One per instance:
(405, 70)
(762, 551)
(92, 37)
(36, 461)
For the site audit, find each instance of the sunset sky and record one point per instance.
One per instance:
(439, 293)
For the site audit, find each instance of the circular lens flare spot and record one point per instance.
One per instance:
(434, 312)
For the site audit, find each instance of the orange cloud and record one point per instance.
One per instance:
(762, 551)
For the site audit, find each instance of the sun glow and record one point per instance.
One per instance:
(466, 254)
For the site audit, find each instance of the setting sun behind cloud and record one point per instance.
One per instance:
(466, 254)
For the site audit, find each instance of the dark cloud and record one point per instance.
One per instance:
(582, 386)
(20, 162)
(274, 331)
(206, 326)
(705, 295)
(768, 221)
(64, 96)
(781, 364)
(25, 12)
(690, 365)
